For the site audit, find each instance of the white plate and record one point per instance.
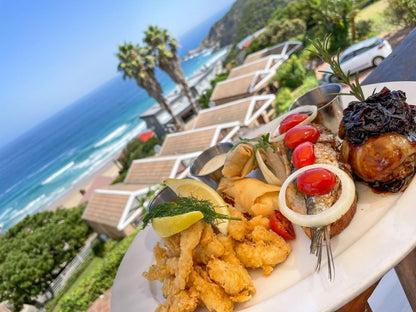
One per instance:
(380, 235)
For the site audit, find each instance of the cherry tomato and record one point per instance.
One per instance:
(317, 181)
(281, 225)
(290, 121)
(303, 155)
(300, 134)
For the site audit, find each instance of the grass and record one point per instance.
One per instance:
(72, 284)
(375, 13)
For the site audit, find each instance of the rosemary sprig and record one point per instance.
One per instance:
(323, 54)
(185, 205)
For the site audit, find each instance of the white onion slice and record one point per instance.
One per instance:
(332, 214)
(275, 135)
(268, 175)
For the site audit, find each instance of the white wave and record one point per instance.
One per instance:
(58, 173)
(116, 133)
(5, 212)
(98, 159)
(29, 207)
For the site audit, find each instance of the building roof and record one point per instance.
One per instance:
(115, 206)
(123, 187)
(198, 139)
(243, 43)
(154, 170)
(245, 111)
(106, 208)
(285, 49)
(240, 87)
(270, 62)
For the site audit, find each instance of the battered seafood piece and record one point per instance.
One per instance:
(262, 249)
(208, 247)
(189, 240)
(232, 277)
(211, 294)
(380, 140)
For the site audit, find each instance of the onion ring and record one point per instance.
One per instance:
(275, 135)
(333, 213)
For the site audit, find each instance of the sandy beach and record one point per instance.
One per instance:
(73, 197)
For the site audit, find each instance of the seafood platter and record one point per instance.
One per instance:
(302, 218)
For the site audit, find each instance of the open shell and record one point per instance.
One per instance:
(272, 166)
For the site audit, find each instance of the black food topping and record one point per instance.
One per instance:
(383, 112)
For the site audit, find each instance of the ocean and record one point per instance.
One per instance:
(42, 165)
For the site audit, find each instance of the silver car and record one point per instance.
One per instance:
(362, 55)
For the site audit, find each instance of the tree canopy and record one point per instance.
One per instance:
(35, 251)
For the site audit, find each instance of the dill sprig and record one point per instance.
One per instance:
(185, 205)
(322, 52)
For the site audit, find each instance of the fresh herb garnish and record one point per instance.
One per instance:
(185, 205)
(322, 52)
(261, 142)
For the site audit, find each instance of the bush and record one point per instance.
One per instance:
(309, 83)
(283, 100)
(206, 94)
(137, 149)
(363, 29)
(100, 280)
(277, 32)
(340, 38)
(291, 73)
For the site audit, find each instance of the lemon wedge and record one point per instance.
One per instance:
(200, 190)
(168, 226)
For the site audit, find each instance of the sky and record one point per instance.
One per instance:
(54, 52)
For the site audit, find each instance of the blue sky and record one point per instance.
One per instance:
(54, 52)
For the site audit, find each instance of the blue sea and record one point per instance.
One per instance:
(42, 165)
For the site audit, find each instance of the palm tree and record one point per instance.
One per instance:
(137, 63)
(163, 46)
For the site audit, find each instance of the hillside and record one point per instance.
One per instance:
(243, 18)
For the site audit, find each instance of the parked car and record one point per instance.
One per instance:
(362, 55)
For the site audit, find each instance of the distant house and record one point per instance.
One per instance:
(116, 209)
(113, 210)
(253, 77)
(157, 118)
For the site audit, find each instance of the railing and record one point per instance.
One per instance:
(59, 283)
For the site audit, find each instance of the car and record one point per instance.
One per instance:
(364, 54)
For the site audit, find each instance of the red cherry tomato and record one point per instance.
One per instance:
(303, 155)
(317, 181)
(281, 225)
(300, 134)
(290, 121)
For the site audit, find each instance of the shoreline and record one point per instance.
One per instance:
(73, 195)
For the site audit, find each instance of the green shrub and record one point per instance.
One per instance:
(136, 149)
(100, 280)
(283, 100)
(206, 94)
(363, 29)
(309, 83)
(277, 32)
(340, 38)
(291, 73)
